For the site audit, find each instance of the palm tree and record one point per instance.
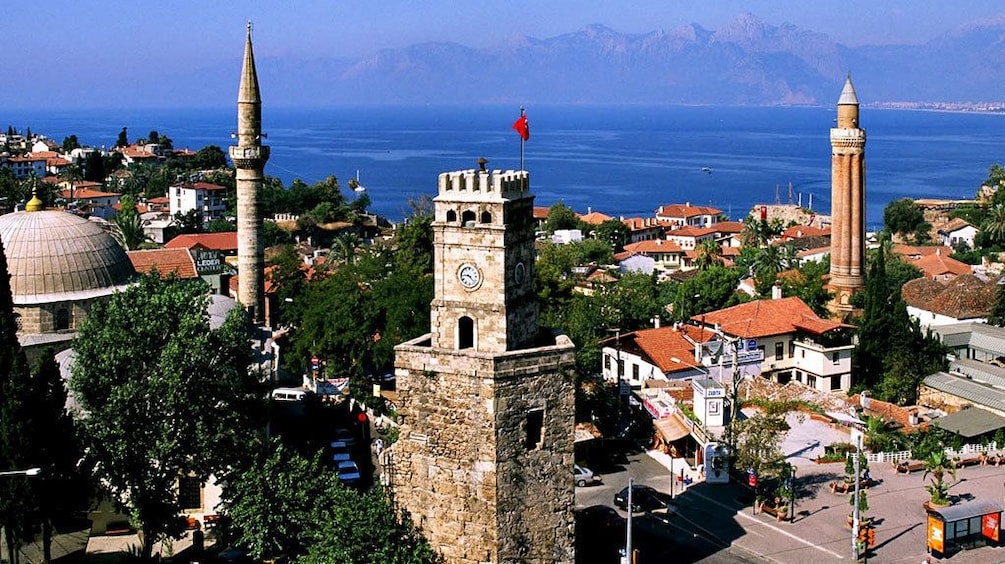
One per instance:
(707, 254)
(71, 175)
(345, 246)
(994, 226)
(938, 464)
(128, 229)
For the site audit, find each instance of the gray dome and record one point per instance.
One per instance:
(58, 256)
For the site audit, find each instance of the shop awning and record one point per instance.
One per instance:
(672, 428)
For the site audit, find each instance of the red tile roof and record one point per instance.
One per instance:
(801, 231)
(685, 210)
(201, 186)
(764, 318)
(86, 193)
(540, 213)
(167, 261)
(939, 264)
(595, 218)
(654, 246)
(728, 227)
(215, 241)
(663, 345)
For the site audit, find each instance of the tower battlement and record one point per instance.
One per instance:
(484, 184)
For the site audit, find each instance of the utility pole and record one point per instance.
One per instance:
(855, 515)
(628, 531)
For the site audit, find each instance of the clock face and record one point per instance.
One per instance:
(469, 275)
(519, 272)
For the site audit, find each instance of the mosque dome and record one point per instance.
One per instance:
(54, 256)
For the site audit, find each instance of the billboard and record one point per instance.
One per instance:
(207, 262)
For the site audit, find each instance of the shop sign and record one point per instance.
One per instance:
(936, 534)
(207, 262)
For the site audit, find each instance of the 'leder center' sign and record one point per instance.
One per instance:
(207, 262)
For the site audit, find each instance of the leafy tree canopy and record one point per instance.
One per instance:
(561, 216)
(903, 217)
(164, 396)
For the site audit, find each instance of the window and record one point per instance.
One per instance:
(811, 380)
(451, 216)
(486, 217)
(835, 357)
(62, 319)
(189, 493)
(835, 382)
(621, 367)
(465, 333)
(635, 372)
(802, 353)
(792, 348)
(535, 425)
(607, 362)
(779, 350)
(713, 408)
(468, 219)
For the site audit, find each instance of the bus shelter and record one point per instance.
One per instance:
(963, 526)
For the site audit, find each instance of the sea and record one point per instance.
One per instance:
(618, 160)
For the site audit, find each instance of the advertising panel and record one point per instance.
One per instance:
(989, 526)
(936, 534)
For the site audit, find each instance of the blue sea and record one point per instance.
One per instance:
(623, 161)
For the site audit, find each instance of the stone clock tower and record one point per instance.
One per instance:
(486, 399)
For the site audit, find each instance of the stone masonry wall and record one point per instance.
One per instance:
(461, 467)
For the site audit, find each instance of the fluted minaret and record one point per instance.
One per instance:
(249, 156)
(847, 202)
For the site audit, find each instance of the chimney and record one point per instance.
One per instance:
(656, 322)
(776, 292)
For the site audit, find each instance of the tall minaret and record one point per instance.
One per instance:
(847, 202)
(249, 156)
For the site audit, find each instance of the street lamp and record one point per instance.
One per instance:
(29, 472)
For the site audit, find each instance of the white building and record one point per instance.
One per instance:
(793, 342)
(208, 198)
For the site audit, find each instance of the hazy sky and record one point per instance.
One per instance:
(129, 33)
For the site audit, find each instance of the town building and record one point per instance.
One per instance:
(957, 231)
(676, 216)
(484, 459)
(964, 298)
(208, 199)
(60, 265)
(793, 342)
(848, 260)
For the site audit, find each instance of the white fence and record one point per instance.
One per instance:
(898, 456)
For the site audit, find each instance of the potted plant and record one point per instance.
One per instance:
(863, 507)
(938, 464)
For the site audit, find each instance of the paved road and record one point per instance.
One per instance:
(715, 523)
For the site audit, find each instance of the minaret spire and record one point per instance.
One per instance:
(847, 203)
(249, 156)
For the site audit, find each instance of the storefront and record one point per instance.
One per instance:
(963, 526)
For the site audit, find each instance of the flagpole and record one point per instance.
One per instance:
(522, 140)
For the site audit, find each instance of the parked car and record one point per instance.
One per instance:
(644, 498)
(348, 473)
(340, 451)
(584, 475)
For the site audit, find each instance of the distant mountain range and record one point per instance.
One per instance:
(746, 62)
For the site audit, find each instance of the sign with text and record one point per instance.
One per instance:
(207, 262)
(989, 526)
(936, 534)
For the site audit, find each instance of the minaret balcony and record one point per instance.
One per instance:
(249, 157)
(846, 136)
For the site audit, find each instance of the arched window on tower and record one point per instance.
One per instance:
(465, 332)
(468, 219)
(486, 217)
(451, 216)
(62, 319)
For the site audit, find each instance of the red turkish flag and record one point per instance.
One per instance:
(521, 126)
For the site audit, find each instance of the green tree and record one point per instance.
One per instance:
(188, 222)
(759, 442)
(209, 157)
(902, 217)
(709, 290)
(561, 216)
(809, 285)
(615, 233)
(122, 140)
(128, 225)
(72, 174)
(70, 143)
(994, 225)
(997, 315)
(707, 254)
(283, 504)
(16, 417)
(164, 395)
(414, 237)
(938, 464)
(60, 490)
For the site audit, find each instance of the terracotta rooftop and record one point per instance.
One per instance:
(941, 264)
(167, 261)
(664, 344)
(216, 241)
(199, 186)
(540, 213)
(685, 210)
(86, 193)
(954, 224)
(654, 246)
(764, 318)
(595, 218)
(964, 297)
(801, 231)
(726, 227)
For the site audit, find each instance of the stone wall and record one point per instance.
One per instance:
(462, 466)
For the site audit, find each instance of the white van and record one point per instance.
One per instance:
(289, 394)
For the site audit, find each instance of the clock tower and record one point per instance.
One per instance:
(486, 401)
